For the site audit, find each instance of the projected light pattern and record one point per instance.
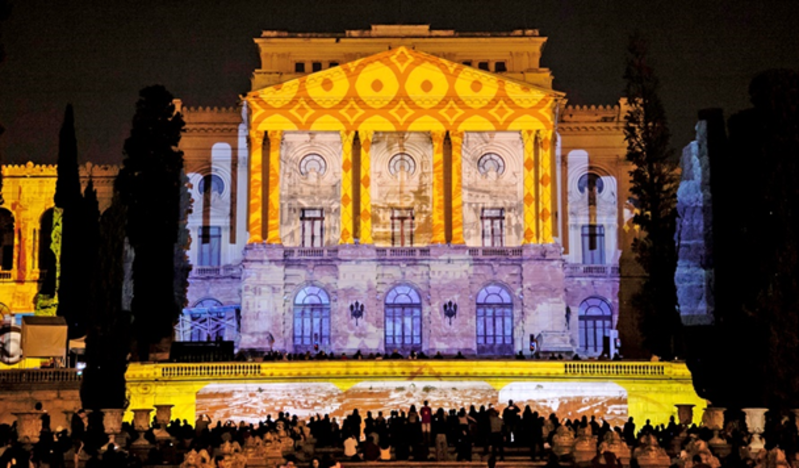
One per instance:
(252, 402)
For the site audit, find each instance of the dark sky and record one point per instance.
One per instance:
(97, 54)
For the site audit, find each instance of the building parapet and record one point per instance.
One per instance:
(216, 271)
(576, 269)
(440, 369)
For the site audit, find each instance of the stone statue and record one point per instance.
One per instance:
(568, 317)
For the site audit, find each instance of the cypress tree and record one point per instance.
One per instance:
(654, 185)
(108, 339)
(149, 185)
(73, 272)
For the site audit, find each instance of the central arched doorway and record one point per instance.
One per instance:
(403, 320)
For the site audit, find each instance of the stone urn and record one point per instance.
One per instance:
(163, 414)
(685, 414)
(755, 423)
(112, 422)
(713, 419)
(29, 426)
(141, 422)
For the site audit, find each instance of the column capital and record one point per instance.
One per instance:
(275, 136)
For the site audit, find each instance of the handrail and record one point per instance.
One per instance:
(14, 376)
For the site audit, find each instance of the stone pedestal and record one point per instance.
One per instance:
(29, 426)
(650, 455)
(141, 422)
(563, 441)
(112, 422)
(755, 424)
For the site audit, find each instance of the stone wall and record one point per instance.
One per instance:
(694, 276)
(55, 399)
(533, 276)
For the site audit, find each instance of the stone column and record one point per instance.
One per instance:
(530, 235)
(544, 185)
(439, 232)
(456, 138)
(255, 203)
(366, 186)
(347, 201)
(273, 199)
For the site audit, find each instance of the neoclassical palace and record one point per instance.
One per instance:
(397, 188)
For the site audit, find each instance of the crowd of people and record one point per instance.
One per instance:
(412, 434)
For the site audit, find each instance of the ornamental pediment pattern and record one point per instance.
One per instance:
(402, 90)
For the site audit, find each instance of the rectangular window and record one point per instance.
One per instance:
(593, 237)
(493, 221)
(299, 67)
(402, 227)
(312, 227)
(483, 66)
(210, 246)
(316, 66)
(500, 67)
(332, 64)
(468, 63)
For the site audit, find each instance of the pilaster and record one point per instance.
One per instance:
(456, 138)
(366, 187)
(346, 236)
(529, 199)
(273, 207)
(256, 207)
(439, 234)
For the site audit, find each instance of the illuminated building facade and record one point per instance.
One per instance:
(397, 188)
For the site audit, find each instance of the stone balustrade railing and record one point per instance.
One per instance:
(446, 369)
(39, 376)
(496, 252)
(614, 368)
(576, 269)
(211, 271)
(306, 252)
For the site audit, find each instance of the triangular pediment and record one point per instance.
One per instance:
(402, 89)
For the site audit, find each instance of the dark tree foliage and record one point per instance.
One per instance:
(756, 221)
(5, 12)
(77, 248)
(182, 264)
(654, 185)
(149, 185)
(108, 339)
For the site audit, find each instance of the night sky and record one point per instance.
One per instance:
(97, 54)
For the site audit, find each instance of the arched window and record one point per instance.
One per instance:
(494, 321)
(401, 162)
(207, 303)
(311, 320)
(313, 162)
(403, 320)
(46, 257)
(596, 318)
(491, 162)
(6, 240)
(211, 183)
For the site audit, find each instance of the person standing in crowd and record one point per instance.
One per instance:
(426, 413)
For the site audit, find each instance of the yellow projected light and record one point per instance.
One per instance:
(249, 391)
(403, 90)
